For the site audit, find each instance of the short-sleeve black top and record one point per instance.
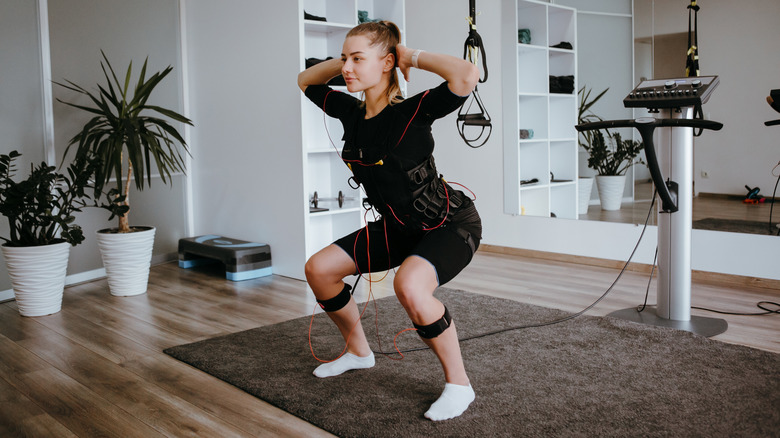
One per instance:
(381, 149)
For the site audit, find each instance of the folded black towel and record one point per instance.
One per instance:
(308, 16)
(562, 84)
(563, 45)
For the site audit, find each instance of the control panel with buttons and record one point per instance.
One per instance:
(671, 93)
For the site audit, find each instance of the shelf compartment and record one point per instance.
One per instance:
(382, 10)
(535, 202)
(339, 12)
(532, 69)
(562, 25)
(327, 175)
(322, 41)
(532, 114)
(563, 117)
(563, 200)
(563, 160)
(530, 155)
(533, 16)
(562, 62)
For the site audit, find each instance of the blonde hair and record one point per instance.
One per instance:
(387, 36)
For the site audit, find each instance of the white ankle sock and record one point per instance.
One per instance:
(346, 362)
(454, 400)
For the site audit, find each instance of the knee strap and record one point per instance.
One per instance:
(431, 331)
(337, 302)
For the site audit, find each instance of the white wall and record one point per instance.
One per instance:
(747, 62)
(247, 171)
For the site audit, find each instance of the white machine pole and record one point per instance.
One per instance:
(675, 156)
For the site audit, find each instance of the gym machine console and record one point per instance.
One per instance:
(671, 168)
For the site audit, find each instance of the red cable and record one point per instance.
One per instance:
(473, 196)
(346, 343)
(368, 252)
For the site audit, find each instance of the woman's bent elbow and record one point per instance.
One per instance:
(301, 83)
(473, 77)
(466, 83)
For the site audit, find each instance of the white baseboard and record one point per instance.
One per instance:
(83, 277)
(94, 274)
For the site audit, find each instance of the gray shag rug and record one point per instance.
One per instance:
(589, 376)
(735, 226)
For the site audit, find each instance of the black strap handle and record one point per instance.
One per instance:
(646, 126)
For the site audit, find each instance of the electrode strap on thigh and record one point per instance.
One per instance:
(431, 331)
(338, 302)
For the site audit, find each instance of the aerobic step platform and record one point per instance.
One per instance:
(243, 260)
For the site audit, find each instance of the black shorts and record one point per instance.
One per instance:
(381, 245)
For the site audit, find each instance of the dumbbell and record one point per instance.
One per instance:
(315, 200)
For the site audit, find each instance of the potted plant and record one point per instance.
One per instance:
(122, 137)
(609, 158)
(42, 228)
(611, 161)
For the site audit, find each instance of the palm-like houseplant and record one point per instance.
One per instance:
(586, 115)
(40, 212)
(122, 137)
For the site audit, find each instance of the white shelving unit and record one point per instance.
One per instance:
(550, 155)
(323, 171)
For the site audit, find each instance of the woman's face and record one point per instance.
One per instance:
(364, 65)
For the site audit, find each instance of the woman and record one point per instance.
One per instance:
(427, 229)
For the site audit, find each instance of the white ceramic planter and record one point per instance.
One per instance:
(126, 257)
(38, 276)
(610, 189)
(584, 187)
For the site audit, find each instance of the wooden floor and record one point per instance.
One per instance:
(97, 368)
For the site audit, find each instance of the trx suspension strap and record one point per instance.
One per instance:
(692, 60)
(471, 52)
(692, 57)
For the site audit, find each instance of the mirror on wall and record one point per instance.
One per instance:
(621, 43)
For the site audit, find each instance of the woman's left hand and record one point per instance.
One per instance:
(403, 60)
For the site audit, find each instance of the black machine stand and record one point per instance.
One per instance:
(671, 168)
